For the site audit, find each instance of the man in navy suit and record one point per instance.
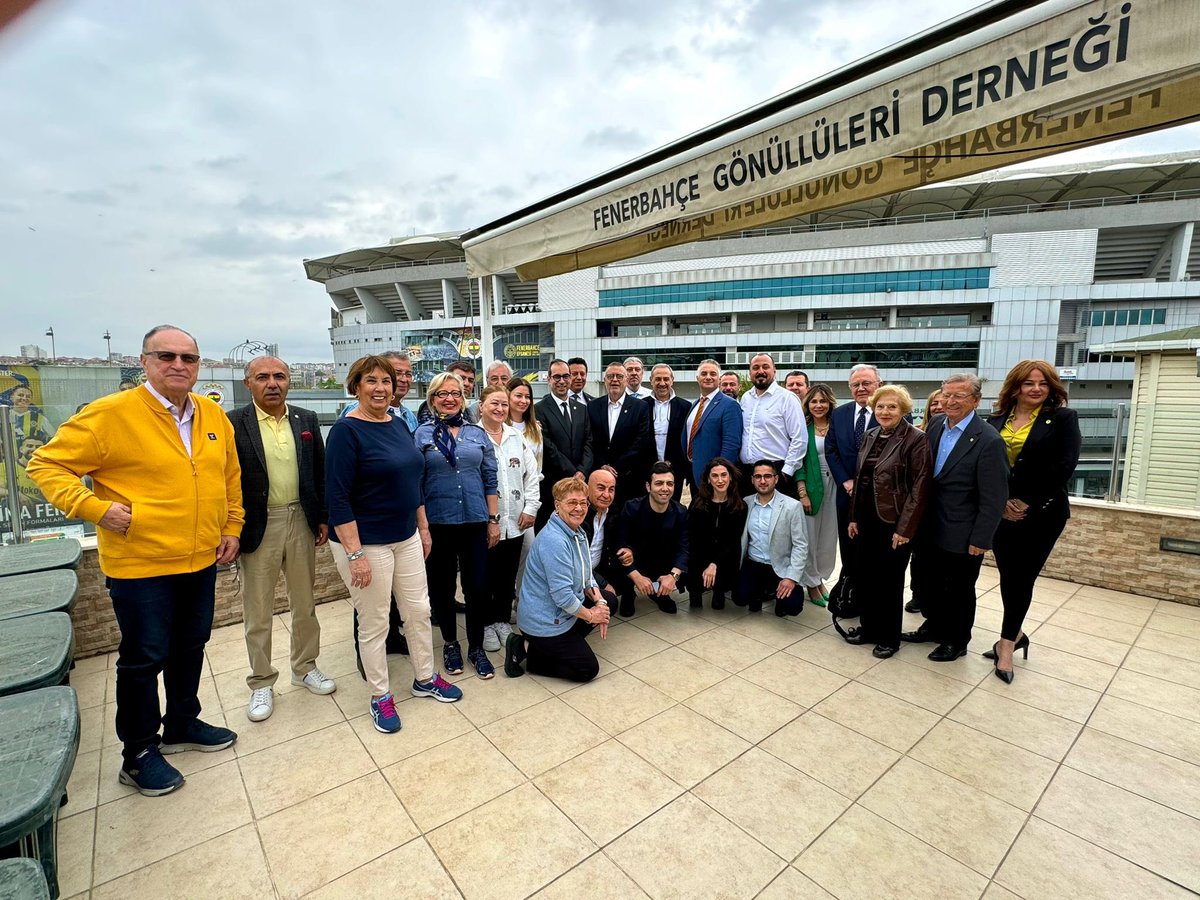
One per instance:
(621, 436)
(966, 500)
(847, 425)
(668, 414)
(714, 424)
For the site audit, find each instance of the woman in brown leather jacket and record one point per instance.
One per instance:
(890, 490)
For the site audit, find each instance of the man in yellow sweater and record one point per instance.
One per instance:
(167, 498)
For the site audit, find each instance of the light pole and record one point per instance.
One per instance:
(108, 340)
(50, 334)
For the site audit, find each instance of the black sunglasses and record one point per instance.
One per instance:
(167, 356)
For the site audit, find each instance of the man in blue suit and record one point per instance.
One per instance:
(847, 425)
(714, 424)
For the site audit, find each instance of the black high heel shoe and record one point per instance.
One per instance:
(1022, 645)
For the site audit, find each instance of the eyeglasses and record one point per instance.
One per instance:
(442, 395)
(861, 384)
(405, 375)
(559, 377)
(767, 476)
(168, 357)
(957, 397)
(574, 504)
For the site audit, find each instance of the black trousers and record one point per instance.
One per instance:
(725, 582)
(502, 563)
(466, 545)
(919, 571)
(757, 581)
(879, 579)
(845, 545)
(1021, 550)
(565, 655)
(949, 601)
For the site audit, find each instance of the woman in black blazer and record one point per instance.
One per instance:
(1042, 438)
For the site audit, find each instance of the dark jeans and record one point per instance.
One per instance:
(565, 655)
(466, 545)
(757, 580)
(879, 582)
(502, 563)
(1021, 549)
(948, 594)
(165, 622)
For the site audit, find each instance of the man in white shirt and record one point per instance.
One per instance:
(621, 435)
(633, 377)
(773, 426)
(668, 414)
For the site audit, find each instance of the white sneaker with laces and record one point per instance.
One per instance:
(262, 704)
(503, 630)
(491, 642)
(316, 681)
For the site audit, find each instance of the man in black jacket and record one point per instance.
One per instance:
(668, 415)
(283, 490)
(566, 438)
(652, 543)
(621, 435)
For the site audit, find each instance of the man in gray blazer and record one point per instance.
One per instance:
(966, 501)
(774, 545)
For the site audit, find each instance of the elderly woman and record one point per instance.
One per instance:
(715, 520)
(1042, 438)
(820, 508)
(891, 487)
(380, 535)
(519, 500)
(560, 603)
(464, 518)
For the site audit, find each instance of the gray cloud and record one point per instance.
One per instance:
(618, 138)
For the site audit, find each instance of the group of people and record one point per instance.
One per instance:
(567, 510)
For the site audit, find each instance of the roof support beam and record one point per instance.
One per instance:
(376, 311)
(1181, 238)
(412, 306)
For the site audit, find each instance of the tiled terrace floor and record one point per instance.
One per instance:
(718, 755)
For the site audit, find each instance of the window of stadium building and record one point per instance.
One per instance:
(928, 356)
(680, 362)
(1129, 316)
(801, 286)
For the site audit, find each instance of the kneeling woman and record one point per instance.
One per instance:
(560, 602)
(890, 491)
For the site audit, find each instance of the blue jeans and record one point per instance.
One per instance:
(165, 622)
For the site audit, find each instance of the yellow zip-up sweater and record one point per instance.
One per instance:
(129, 444)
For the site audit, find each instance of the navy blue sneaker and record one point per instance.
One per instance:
(452, 658)
(438, 688)
(152, 775)
(197, 735)
(383, 712)
(479, 659)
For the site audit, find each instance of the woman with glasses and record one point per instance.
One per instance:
(462, 505)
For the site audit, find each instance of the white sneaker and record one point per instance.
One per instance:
(491, 642)
(503, 630)
(262, 704)
(316, 681)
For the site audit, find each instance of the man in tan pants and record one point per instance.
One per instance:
(283, 478)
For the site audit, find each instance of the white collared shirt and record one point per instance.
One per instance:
(183, 421)
(614, 413)
(773, 427)
(598, 536)
(662, 422)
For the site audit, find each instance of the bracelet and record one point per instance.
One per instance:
(357, 554)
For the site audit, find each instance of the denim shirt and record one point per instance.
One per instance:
(458, 496)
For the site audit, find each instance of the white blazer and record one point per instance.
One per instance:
(517, 478)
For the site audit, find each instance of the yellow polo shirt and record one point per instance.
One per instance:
(279, 451)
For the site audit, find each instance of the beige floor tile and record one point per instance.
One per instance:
(626, 645)
(744, 708)
(683, 744)
(1173, 624)
(295, 770)
(1049, 863)
(231, 866)
(476, 773)
(1165, 696)
(813, 617)
(879, 716)
(510, 847)
(664, 854)
(973, 827)
(923, 687)
(232, 691)
(76, 835)
(596, 878)
(1099, 593)
(1139, 830)
(1140, 770)
(412, 872)
(1173, 644)
(728, 649)
(1015, 723)
(485, 703)
(1182, 610)
(90, 664)
(231, 655)
(779, 806)
(1070, 701)
(1080, 670)
(1102, 649)
(995, 892)
(90, 688)
(424, 724)
(295, 714)
(1117, 610)
(792, 885)
(617, 702)
(607, 790)
(234, 632)
(337, 660)
(539, 738)
(84, 783)
(674, 629)
(1163, 665)
(829, 651)
(677, 673)
(794, 679)
(970, 669)
(1148, 727)
(560, 686)
(321, 839)
(864, 856)
(771, 630)
(1097, 626)
(831, 753)
(211, 803)
(1014, 775)
(110, 789)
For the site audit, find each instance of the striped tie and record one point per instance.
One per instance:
(695, 425)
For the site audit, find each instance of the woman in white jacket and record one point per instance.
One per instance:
(517, 479)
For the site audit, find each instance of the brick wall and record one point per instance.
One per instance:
(96, 627)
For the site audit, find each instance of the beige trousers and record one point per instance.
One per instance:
(287, 544)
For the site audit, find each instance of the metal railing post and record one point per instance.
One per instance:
(1114, 475)
(8, 440)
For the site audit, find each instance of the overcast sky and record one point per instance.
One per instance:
(175, 161)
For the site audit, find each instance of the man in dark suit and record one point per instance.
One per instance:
(579, 370)
(621, 436)
(566, 438)
(668, 414)
(600, 526)
(847, 425)
(283, 490)
(713, 426)
(966, 501)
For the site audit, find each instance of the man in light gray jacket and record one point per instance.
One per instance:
(774, 546)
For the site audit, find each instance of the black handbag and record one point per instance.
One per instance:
(843, 604)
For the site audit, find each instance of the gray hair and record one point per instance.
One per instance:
(157, 328)
(498, 364)
(708, 362)
(862, 367)
(633, 359)
(967, 378)
(658, 366)
(395, 354)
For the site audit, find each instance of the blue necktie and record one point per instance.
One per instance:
(860, 428)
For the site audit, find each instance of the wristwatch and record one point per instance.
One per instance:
(495, 520)
(357, 554)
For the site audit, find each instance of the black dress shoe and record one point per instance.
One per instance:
(883, 651)
(913, 606)
(460, 608)
(666, 604)
(855, 636)
(695, 602)
(627, 608)
(920, 636)
(718, 601)
(947, 652)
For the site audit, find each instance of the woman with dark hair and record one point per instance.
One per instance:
(1042, 438)
(817, 495)
(716, 518)
(522, 417)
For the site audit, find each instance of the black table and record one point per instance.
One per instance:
(38, 592)
(39, 737)
(22, 879)
(35, 652)
(40, 557)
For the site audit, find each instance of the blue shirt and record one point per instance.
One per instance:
(373, 478)
(950, 437)
(457, 495)
(557, 571)
(759, 529)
